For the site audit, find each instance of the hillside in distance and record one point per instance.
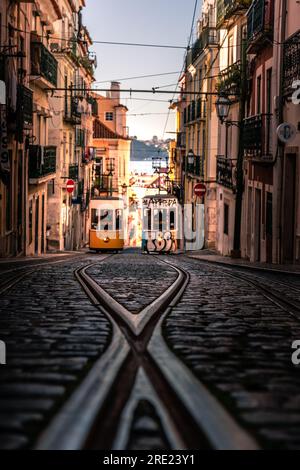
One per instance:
(141, 150)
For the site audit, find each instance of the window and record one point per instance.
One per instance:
(109, 116)
(160, 219)
(230, 50)
(94, 219)
(30, 225)
(269, 91)
(106, 220)
(119, 219)
(173, 219)
(226, 219)
(147, 219)
(258, 95)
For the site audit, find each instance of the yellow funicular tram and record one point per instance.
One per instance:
(107, 224)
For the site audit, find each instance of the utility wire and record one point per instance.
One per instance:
(139, 76)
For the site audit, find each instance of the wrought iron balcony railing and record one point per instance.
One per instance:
(226, 9)
(208, 37)
(43, 63)
(229, 80)
(73, 172)
(42, 161)
(260, 21)
(225, 172)
(257, 136)
(25, 106)
(291, 63)
(71, 113)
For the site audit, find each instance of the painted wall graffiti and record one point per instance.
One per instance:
(163, 243)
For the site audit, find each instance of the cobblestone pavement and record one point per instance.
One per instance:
(234, 339)
(53, 336)
(137, 279)
(239, 344)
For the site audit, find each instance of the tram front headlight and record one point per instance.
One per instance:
(106, 240)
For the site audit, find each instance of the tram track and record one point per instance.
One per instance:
(99, 415)
(12, 276)
(278, 297)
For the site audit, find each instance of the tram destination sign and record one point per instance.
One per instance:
(159, 202)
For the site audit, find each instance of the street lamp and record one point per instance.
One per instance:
(110, 168)
(191, 158)
(223, 106)
(110, 165)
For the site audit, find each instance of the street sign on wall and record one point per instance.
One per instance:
(70, 186)
(200, 190)
(286, 132)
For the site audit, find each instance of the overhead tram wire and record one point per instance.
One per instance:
(132, 90)
(137, 77)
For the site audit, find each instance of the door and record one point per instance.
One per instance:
(269, 227)
(36, 239)
(43, 224)
(257, 225)
(288, 231)
(249, 223)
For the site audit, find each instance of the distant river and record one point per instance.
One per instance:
(141, 167)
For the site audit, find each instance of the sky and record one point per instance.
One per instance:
(165, 22)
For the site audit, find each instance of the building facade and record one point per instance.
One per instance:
(71, 130)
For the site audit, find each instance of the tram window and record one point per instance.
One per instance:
(94, 219)
(147, 219)
(172, 220)
(106, 220)
(160, 220)
(119, 219)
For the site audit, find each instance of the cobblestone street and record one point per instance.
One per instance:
(234, 340)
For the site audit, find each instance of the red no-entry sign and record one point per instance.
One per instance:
(70, 186)
(200, 190)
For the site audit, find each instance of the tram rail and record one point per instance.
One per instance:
(96, 416)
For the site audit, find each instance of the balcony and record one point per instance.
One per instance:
(195, 111)
(71, 113)
(260, 19)
(225, 172)
(42, 164)
(43, 65)
(258, 137)
(229, 81)
(291, 63)
(208, 37)
(227, 9)
(73, 172)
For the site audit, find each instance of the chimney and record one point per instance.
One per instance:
(115, 91)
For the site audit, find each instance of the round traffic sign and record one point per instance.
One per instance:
(200, 190)
(70, 186)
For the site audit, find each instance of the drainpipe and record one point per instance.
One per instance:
(281, 146)
(236, 253)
